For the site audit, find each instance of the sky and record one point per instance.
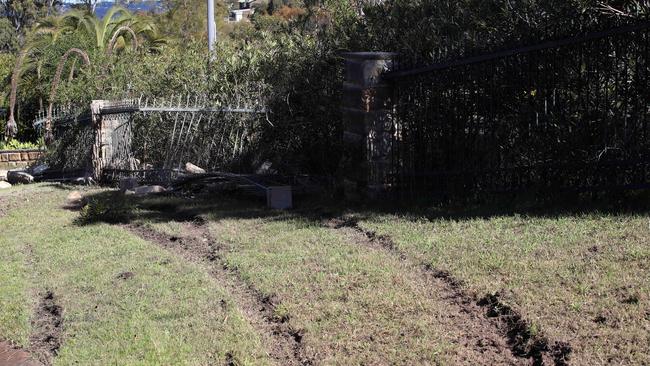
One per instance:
(104, 5)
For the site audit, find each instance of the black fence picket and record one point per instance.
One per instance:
(568, 114)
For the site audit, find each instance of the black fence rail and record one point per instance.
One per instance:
(568, 114)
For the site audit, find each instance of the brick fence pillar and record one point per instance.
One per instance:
(367, 115)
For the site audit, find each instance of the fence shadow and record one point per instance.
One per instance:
(113, 207)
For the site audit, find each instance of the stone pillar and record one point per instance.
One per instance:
(99, 143)
(108, 145)
(367, 115)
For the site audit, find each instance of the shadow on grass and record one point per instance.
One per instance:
(115, 208)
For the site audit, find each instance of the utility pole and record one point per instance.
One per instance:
(212, 28)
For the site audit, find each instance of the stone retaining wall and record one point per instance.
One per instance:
(12, 159)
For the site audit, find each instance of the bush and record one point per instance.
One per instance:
(17, 145)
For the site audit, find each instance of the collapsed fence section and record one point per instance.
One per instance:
(570, 114)
(154, 142)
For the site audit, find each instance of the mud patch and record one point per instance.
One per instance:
(48, 328)
(125, 276)
(502, 321)
(10, 355)
(196, 245)
(522, 342)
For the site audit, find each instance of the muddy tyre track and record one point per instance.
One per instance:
(488, 313)
(47, 324)
(196, 245)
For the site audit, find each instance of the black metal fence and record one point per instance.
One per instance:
(567, 114)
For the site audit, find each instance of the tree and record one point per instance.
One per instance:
(90, 5)
(117, 27)
(185, 20)
(114, 32)
(8, 36)
(23, 13)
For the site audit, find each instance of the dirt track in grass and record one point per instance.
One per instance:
(491, 326)
(477, 340)
(196, 245)
(48, 328)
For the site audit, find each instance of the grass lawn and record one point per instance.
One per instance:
(164, 280)
(582, 279)
(350, 304)
(123, 300)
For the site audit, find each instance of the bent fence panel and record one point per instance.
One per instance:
(569, 114)
(160, 139)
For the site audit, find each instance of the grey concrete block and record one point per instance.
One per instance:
(279, 197)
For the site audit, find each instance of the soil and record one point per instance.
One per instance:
(12, 356)
(283, 342)
(48, 328)
(497, 327)
(126, 276)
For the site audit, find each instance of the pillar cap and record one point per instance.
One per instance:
(369, 55)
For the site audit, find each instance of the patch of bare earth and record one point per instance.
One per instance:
(196, 245)
(13, 356)
(493, 330)
(5, 206)
(47, 324)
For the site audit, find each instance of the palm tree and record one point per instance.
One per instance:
(110, 34)
(47, 32)
(49, 137)
(115, 30)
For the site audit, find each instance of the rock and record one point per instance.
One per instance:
(3, 175)
(193, 169)
(128, 184)
(19, 177)
(145, 190)
(38, 169)
(75, 197)
(82, 181)
(4, 185)
(266, 168)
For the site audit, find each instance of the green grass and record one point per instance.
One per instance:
(583, 279)
(352, 304)
(168, 313)
(355, 305)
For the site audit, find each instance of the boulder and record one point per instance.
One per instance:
(145, 190)
(19, 177)
(82, 181)
(38, 169)
(4, 185)
(75, 198)
(193, 169)
(3, 175)
(266, 169)
(128, 184)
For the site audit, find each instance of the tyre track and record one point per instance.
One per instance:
(196, 245)
(489, 312)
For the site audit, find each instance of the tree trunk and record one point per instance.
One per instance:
(12, 128)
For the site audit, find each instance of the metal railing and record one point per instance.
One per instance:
(567, 114)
